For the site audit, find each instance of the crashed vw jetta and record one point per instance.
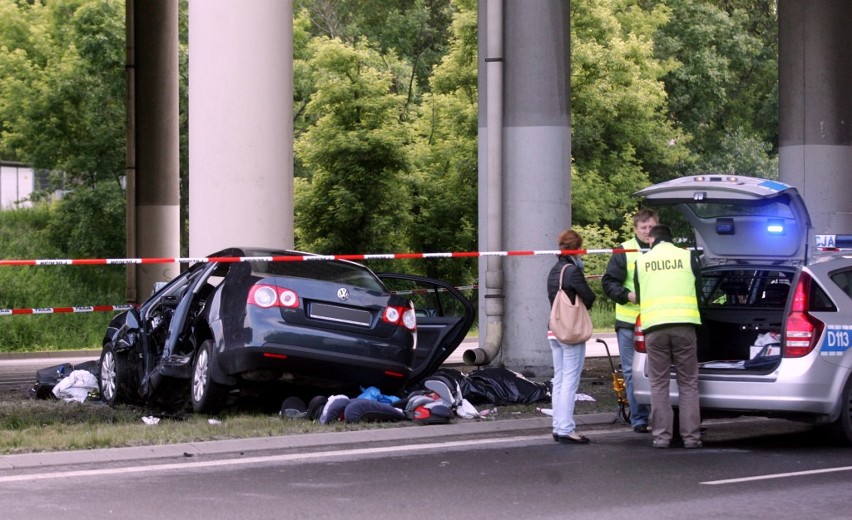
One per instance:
(260, 318)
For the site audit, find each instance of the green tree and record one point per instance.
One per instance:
(445, 188)
(357, 198)
(723, 90)
(622, 138)
(62, 96)
(597, 237)
(737, 152)
(89, 222)
(414, 30)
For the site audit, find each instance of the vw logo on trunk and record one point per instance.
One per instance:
(343, 293)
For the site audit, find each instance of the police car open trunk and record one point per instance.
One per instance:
(750, 236)
(742, 315)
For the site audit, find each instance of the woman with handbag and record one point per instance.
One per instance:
(568, 358)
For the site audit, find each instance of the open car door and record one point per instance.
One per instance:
(739, 220)
(444, 317)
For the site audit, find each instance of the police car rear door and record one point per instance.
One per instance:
(739, 220)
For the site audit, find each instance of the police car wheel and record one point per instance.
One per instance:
(842, 427)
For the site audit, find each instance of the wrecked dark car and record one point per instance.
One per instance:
(249, 319)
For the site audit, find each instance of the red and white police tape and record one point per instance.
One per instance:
(288, 258)
(61, 310)
(293, 258)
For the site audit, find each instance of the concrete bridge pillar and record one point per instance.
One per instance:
(815, 107)
(241, 124)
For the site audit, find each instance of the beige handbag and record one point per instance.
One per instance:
(569, 322)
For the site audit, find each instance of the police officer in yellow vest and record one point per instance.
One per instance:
(667, 280)
(618, 286)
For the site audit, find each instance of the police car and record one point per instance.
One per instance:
(776, 302)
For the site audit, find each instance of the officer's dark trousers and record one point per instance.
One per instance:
(674, 345)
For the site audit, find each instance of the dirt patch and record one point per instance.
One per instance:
(15, 391)
(597, 382)
(597, 367)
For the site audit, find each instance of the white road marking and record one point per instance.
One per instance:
(294, 457)
(777, 475)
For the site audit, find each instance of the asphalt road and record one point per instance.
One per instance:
(752, 468)
(18, 372)
(749, 468)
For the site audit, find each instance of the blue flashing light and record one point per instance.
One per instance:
(775, 227)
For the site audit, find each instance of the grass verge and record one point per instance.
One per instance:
(28, 425)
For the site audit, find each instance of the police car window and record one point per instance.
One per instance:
(715, 210)
(819, 301)
(843, 279)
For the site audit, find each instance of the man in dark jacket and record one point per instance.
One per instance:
(618, 286)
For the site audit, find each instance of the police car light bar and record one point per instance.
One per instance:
(716, 178)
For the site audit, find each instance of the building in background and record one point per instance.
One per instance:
(17, 182)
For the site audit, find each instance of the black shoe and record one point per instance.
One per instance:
(573, 439)
(555, 437)
(642, 428)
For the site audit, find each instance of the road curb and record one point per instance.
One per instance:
(239, 447)
(242, 447)
(51, 354)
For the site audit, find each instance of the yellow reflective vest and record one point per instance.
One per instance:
(628, 312)
(667, 287)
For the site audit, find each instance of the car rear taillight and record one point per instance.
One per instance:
(267, 296)
(639, 336)
(402, 316)
(801, 330)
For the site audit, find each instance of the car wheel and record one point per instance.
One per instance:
(116, 379)
(207, 395)
(842, 427)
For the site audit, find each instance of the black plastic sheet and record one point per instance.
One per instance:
(498, 386)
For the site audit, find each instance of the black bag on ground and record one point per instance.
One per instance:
(47, 378)
(502, 386)
(499, 386)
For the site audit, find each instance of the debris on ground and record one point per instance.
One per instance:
(76, 387)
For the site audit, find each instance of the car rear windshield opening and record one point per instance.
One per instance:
(324, 270)
(746, 287)
(778, 208)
